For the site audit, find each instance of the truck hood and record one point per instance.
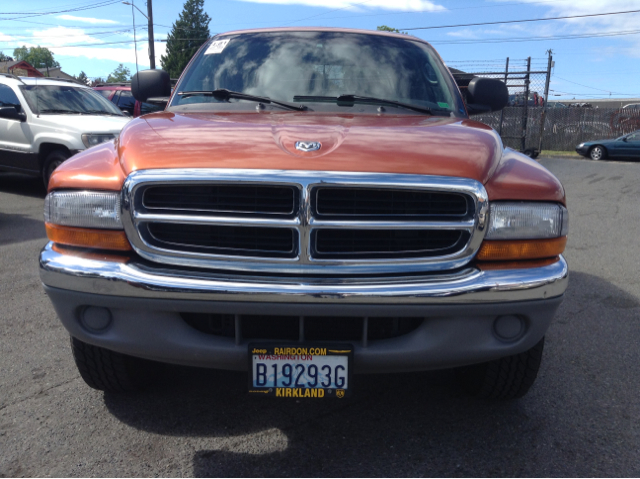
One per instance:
(370, 143)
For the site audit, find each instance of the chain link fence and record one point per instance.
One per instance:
(520, 123)
(525, 124)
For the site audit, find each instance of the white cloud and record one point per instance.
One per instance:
(404, 5)
(75, 42)
(593, 25)
(87, 19)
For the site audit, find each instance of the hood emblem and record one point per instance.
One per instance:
(308, 145)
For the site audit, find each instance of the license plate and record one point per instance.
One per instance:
(300, 370)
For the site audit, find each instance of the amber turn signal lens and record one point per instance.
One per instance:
(521, 249)
(88, 238)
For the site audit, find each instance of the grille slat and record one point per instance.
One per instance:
(242, 199)
(316, 328)
(231, 240)
(386, 203)
(345, 244)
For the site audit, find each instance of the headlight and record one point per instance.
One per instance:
(93, 139)
(525, 231)
(85, 209)
(527, 221)
(88, 219)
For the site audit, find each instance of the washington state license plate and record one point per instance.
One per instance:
(300, 370)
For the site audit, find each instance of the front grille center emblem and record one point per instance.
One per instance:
(308, 145)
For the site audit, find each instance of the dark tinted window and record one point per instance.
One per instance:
(9, 98)
(149, 108)
(126, 99)
(60, 99)
(281, 65)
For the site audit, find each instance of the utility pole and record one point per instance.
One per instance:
(152, 53)
(149, 17)
(546, 98)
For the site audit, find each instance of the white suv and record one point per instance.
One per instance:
(44, 121)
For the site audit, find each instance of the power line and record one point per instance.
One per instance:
(521, 21)
(593, 88)
(537, 39)
(103, 3)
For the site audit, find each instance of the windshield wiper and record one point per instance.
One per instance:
(350, 98)
(99, 112)
(223, 94)
(61, 111)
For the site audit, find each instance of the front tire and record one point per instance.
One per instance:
(510, 377)
(108, 370)
(53, 160)
(597, 153)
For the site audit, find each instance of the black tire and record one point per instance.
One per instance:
(505, 378)
(598, 153)
(111, 371)
(53, 160)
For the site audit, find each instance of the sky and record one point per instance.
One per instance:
(594, 57)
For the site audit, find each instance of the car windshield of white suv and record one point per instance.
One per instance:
(67, 99)
(322, 71)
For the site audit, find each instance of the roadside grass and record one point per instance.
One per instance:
(563, 154)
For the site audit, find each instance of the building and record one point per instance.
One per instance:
(55, 72)
(19, 68)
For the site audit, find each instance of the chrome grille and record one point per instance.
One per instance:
(304, 222)
(384, 203)
(222, 199)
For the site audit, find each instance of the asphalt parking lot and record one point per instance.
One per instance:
(581, 418)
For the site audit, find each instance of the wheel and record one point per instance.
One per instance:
(597, 153)
(53, 160)
(111, 371)
(505, 378)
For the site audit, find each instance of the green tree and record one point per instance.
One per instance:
(82, 78)
(188, 34)
(39, 57)
(5, 58)
(119, 75)
(384, 28)
(97, 80)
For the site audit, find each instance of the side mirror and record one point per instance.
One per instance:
(10, 113)
(150, 83)
(485, 95)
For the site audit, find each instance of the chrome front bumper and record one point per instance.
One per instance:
(145, 304)
(139, 280)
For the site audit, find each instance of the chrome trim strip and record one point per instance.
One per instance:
(216, 220)
(134, 214)
(393, 225)
(134, 279)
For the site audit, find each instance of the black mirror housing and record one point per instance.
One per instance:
(486, 94)
(150, 83)
(10, 113)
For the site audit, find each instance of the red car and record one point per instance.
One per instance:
(120, 95)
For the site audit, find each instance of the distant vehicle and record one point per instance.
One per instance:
(627, 146)
(517, 99)
(44, 121)
(120, 95)
(580, 105)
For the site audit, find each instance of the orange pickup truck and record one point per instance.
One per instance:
(312, 203)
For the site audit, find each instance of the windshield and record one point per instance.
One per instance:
(284, 65)
(61, 99)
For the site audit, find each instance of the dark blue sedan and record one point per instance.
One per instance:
(627, 146)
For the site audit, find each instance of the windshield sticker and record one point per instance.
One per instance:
(443, 105)
(216, 47)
